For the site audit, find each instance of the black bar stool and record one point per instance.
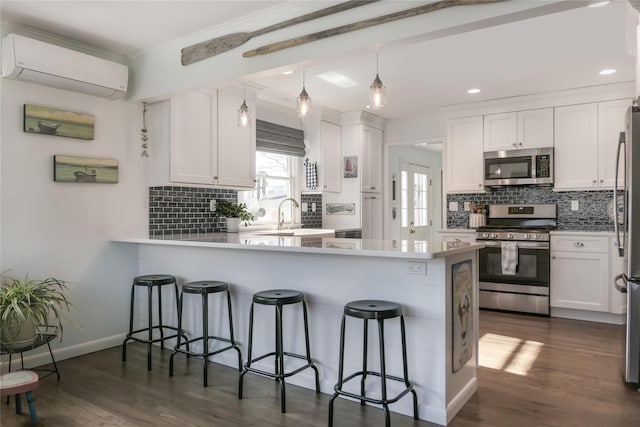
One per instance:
(378, 310)
(279, 298)
(151, 281)
(205, 288)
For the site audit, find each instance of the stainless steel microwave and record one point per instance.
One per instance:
(518, 167)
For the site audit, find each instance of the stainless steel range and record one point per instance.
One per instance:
(514, 264)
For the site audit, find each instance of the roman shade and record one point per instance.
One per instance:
(274, 138)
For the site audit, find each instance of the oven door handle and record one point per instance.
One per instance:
(521, 245)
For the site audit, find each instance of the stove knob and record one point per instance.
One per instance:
(485, 235)
(527, 236)
(494, 235)
(510, 235)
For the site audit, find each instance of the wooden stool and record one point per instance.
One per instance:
(16, 383)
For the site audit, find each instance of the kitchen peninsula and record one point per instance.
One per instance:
(438, 290)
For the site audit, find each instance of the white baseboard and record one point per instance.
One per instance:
(40, 356)
(589, 316)
(461, 399)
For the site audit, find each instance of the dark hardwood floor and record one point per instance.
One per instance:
(546, 372)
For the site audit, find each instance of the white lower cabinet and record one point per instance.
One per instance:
(580, 272)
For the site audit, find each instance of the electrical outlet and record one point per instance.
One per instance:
(304, 206)
(313, 207)
(453, 206)
(467, 206)
(417, 268)
(575, 205)
(212, 205)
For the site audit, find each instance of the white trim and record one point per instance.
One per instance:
(40, 356)
(589, 316)
(456, 404)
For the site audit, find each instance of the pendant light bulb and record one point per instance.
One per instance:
(377, 95)
(244, 114)
(303, 102)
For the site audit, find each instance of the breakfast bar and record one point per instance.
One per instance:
(437, 288)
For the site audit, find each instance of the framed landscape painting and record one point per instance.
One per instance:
(52, 121)
(85, 169)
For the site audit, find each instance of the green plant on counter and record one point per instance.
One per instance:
(227, 209)
(26, 305)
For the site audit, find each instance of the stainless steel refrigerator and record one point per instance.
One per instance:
(626, 217)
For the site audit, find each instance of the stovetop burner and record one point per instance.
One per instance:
(518, 222)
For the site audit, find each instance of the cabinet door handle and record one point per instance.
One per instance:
(520, 144)
(601, 181)
(594, 181)
(553, 257)
(514, 144)
(373, 188)
(578, 244)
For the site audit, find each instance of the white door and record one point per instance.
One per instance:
(416, 213)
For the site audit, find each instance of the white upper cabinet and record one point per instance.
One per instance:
(193, 140)
(612, 119)
(236, 145)
(371, 167)
(576, 147)
(206, 147)
(519, 130)
(586, 138)
(331, 164)
(463, 155)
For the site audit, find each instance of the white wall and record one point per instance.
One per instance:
(63, 229)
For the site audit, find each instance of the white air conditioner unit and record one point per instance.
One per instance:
(49, 65)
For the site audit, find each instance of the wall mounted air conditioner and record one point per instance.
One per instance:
(49, 65)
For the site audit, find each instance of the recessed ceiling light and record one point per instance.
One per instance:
(337, 79)
(473, 91)
(286, 73)
(599, 4)
(607, 71)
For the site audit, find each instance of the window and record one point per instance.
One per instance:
(274, 183)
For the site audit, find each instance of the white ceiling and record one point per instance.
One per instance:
(544, 54)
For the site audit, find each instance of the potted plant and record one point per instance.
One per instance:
(26, 305)
(234, 213)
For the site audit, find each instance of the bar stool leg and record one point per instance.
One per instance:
(233, 340)
(340, 371)
(280, 358)
(365, 345)
(150, 330)
(248, 364)
(406, 370)
(124, 344)
(160, 317)
(179, 302)
(308, 347)
(205, 339)
(383, 374)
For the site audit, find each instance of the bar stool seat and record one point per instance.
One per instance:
(279, 298)
(17, 383)
(204, 288)
(150, 282)
(380, 311)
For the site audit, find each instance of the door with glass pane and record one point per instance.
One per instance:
(415, 201)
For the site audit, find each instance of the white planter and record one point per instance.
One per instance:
(233, 225)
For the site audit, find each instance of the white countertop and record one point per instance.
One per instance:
(421, 249)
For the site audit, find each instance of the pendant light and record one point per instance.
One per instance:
(303, 106)
(244, 115)
(377, 96)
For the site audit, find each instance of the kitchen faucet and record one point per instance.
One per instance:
(280, 216)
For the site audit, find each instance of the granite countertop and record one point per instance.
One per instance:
(421, 249)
